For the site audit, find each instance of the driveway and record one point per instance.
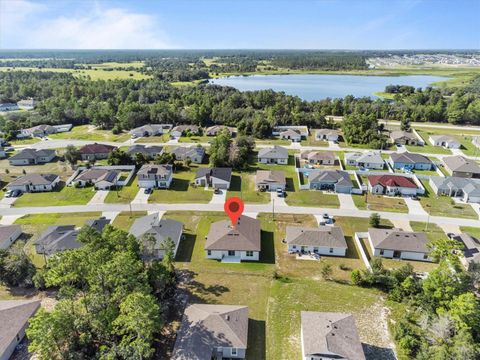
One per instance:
(219, 198)
(450, 228)
(99, 197)
(279, 200)
(141, 197)
(7, 202)
(9, 219)
(110, 215)
(346, 201)
(414, 207)
(402, 224)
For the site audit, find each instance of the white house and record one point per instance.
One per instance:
(323, 240)
(446, 141)
(270, 180)
(218, 178)
(234, 243)
(8, 235)
(150, 130)
(155, 176)
(301, 129)
(291, 134)
(194, 153)
(393, 185)
(101, 179)
(399, 244)
(35, 183)
(327, 134)
(368, 160)
(273, 155)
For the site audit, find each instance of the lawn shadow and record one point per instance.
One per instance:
(185, 249)
(256, 340)
(352, 252)
(179, 184)
(289, 184)
(373, 352)
(236, 183)
(267, 253)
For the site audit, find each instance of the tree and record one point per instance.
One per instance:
(16, 268)
(374, 220)
(444, 248)
(326, 271)
(72, 155)
(119, 157)
(187, 162)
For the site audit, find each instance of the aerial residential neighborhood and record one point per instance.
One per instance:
(207, 180)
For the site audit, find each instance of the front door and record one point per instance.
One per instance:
(231, 252)
(397, 254)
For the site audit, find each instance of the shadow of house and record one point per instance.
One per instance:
(185, 249)
(236, 183)
(179, 184)
(256, 340)
(373, 352)
(267, 253)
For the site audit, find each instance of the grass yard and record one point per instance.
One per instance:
(65, 195)
(272, 141)
(380, 203)
(311, 141)
(126, 218)
(55, 167)
(243, 187)
(427, 148)
(89, 132)
(153, 139)
(126, 193)
(26, 141)
(433, 231)
(314, 198)
(473, 231)
(467, 146)
(196, 139)
(181, 191)
(444, 205)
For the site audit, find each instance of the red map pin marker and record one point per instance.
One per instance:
(234, 208)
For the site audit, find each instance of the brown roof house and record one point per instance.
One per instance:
(95, 151)
(401, 137)
(270, 180)
(462, 167)
(212, 332)
(8, 235)
(329, 336)
(399, 244)
(14, 316)
(234, 244)
(319, 157)
(101, 179)
(323, 240)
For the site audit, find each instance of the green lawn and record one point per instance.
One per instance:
(26, 141)
(125, 194)
(153, 139)
(311, 141)
(66, 195)
(444, 205)
(54, 167)
(428, 148)
(473, 231)
(126, 218)
(467, 147)
(181, 190)
(89, 132)
(314, 198)
(433, 231)
(272, 141)
(196, 139)
(243, 187)
(380, 203)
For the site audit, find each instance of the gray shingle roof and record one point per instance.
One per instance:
(461, 164)
(32, 154)
(267, 176)
(145, 150)
(410, 158)
(275, 152)
(471, 249)
(160, 170)
(246, 236)
(399, 134)
(207, 327)
(96, 175)
(34, 179)
(58, 238)
(327, 236)
(14, 314)
(188, 151)
(161, 229)
(338, 177)
(330, 335)
(6, 231)
(219, 173)
(98, 224)
(469, 186)
(395, 239)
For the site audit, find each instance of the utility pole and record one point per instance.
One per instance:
(273, 209)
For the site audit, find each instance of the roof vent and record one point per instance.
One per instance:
(227, 317)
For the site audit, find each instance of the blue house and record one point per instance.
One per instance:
(410, 161)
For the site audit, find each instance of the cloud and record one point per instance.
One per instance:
(94, 27)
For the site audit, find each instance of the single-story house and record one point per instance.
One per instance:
(95, 151)
(38, 131)
(8, 235)
(329, 336)
(101, 179)
(327, 134)
(27, 104)
(301, 129)
(336, 180)
(446, 141)
(291, 134)
(14, 316)
(160, 230)
(399, 244)
(215, 129)
(60, 238)
(194, 153)
(468, 190)
(368, 160)
(148, 152)
(471, 250)
(270, 180)
(319, 157)
(155, 176)
(218, 178)
(35, 183)
(401, 137)
(461, 167)
(212, 332)
(181, 130)
(410, 161)
(392, 185)
(234, 243)
(323, 240)
(32, 157)
(274, 155)
(150, 130)
(8, 107)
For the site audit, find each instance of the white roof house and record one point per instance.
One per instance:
(324, 240)
(446, 141)
(368, 160)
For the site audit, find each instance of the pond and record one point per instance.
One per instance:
(319, 86)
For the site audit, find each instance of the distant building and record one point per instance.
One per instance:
(399, 244)
(327, 135)
(35, 183)
(446, 141)
(461, 167)
(150, 130)
(218, 178)
(155, 176)
(27, 104)
(95, 151)
(32, 157)
(323, 240)
(181, 130)
(215, 129)
(8, 107)
(273, 155)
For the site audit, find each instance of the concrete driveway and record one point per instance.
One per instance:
(414, 207)
(141, 197)
(219, 198)
(7, 202)
(99, 197)
(346, 201)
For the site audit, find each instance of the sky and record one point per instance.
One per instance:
(239, 24)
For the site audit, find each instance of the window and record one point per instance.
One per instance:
(234, 351)
(209, 252)
(249, 253)
(425, 256)
(231, 252)
(381, 252)
(331, 250)
(294, 246)
(315, 250)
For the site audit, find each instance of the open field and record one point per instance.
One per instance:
(444, 205)
(243, 187)
(89, 132)
(54, 167)
(153, 139)
(64, 195)
(93, 74)
(380, 203)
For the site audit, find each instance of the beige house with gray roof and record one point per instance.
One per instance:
(401, 137)
(212, 332)
(234, 244)
(270, 180)
(446, 141)
(323, 240)
(399, 244)
(461, 167)
(273, 155)
(329, 336)
(8, 235)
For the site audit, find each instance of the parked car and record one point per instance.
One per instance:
(217, 191)
(280, 193)
(13, 193)
(148, 191)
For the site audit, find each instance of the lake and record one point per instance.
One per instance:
(319, 86)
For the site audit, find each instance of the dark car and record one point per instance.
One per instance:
(148, 191)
